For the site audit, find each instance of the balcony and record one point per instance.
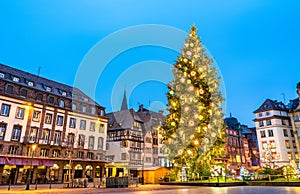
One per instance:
(55, 143)
(43, 141)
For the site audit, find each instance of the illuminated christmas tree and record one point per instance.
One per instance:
(194, 130)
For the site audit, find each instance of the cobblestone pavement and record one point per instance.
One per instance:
(152, 189)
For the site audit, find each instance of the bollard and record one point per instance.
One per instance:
(50, 183)
(9, 185)
(35, 185)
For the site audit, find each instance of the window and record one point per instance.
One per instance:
(48, 118)
(287, 144)
(2, 130)
(30, 83)
(283, 122)
(9, 89)
(270, 133)
(59, 121)
(48, 89)
(296, 156)
(72, 123)
(16, 79)
(285, 133)
(73, 106)
(55, 153)
(93, 110)
(292, 133)
(262, 134)
(148, 139)
(269, 122)
(39, 97)
(20, 113)
(83, 108)
(90, 155)
(100, 143)
(33, 134)
(92, 126)
(81, 140)
(272, 144)
(57, 138)
(61, 103)
(45, 136)
(13, 150)
(136, 124)
(101, 112)
(5, 108)
(155, 150)
(260, 115)
(294, 144)
(91, 142)
(123, 156)
(82, 124)
(101, 128)
(148, 159)
(289, 155)
(1, 75)
(267, 113)
(71, 138)
(64, 93)
(297, 117)
(23, 93)
(51, 100)
(36, 115)
(44, 152)
(16, 133)
(155, 141)
(80, 155)
(107, 146)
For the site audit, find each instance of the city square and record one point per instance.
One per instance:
(149, 97)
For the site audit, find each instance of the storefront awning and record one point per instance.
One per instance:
(25, 161)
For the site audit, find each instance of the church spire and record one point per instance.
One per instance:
(124, 105)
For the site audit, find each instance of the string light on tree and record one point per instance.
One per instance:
(195, 120)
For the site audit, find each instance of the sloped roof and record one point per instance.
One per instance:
(123, 119)
(41, 84)
(271, 105)
(232, 123)
(151, 119)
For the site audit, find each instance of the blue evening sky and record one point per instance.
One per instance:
(255, 44)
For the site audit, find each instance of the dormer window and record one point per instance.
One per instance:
(30, 83)
(64, 93)
(48, 89)
(16, 79)
(1, 75)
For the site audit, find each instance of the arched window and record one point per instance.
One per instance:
(51, 100)
(39, 97)
(9, 89)
(23, 92)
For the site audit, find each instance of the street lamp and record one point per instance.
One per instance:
(33, 147)
(143, 156)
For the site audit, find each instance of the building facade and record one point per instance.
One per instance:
(241, 148)
(50, 128)
(154, 152)
(125, 143)
(276, 138)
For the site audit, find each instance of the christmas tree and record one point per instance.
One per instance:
(194, 130)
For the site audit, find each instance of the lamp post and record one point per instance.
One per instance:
(33, 147)
(143, 156)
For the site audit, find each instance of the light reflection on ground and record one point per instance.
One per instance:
(227, 190)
